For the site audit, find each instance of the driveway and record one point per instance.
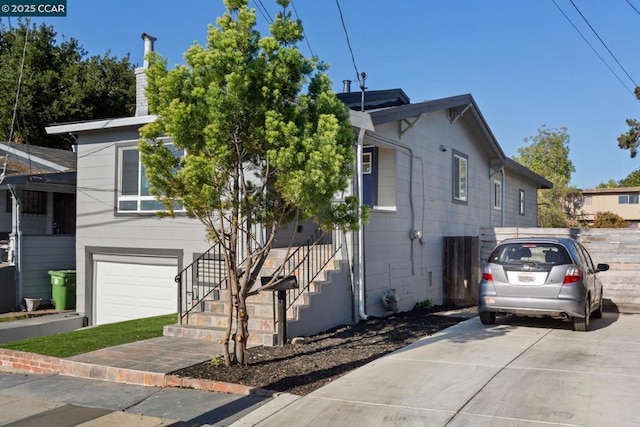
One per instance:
(524, 372)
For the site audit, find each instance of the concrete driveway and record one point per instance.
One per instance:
(524, 372)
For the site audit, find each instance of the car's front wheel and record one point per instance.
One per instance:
(581, 324)
(487, 317)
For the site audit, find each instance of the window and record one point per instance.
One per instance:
(521, 202)
(367, 163)
(133, 190)
(497, 194)
(628, 199)
(460, 178)
(31, 202)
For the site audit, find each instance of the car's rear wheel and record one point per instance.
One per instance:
(487, 317)
(581, 324)
(597, 314)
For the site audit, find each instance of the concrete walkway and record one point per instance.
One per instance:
(520, 372)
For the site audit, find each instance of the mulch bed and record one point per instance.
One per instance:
(303, 368)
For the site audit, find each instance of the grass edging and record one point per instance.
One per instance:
(94, 338)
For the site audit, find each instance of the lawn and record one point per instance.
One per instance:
(94, 338)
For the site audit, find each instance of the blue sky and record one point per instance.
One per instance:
(522, 61)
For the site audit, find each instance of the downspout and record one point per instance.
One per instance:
(17, 242)
(360, 234)
(504, 191)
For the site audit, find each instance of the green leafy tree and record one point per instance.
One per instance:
(547, 154)
(631, 180)
(56, 83)
(609, 220)
(267, 142)
(631, 139)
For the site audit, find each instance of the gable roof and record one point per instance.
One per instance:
(458, 107)
(21, 159)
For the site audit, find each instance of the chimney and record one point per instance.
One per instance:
(142, 105)
(346, 86)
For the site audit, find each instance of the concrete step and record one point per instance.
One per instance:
(217, 335)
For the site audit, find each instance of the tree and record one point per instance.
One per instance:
(631, 139)
(547, 154)
(259, 151)
(57, 83)
(631, 180)
(609, 220)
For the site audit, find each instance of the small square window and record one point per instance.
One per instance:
(133, 188)
(623, 199)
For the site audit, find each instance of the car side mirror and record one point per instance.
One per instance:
(602, 267)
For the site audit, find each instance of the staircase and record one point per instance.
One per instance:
(322, 279)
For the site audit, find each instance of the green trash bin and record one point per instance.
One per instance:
(63, 288)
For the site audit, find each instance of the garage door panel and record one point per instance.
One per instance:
(129, 290)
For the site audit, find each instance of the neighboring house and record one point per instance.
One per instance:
(37, 219)
(430, 171)
(622, 201)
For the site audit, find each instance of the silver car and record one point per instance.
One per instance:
(541, 277)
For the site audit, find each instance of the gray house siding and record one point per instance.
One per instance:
(513, 185)
(392, 259)
(41, 254)
(99, 226)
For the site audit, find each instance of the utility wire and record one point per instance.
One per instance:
(263, 10)
(633, 7)
(24, 54)
(594, 49)
(353, 59)
(303, 33)
(603, 43)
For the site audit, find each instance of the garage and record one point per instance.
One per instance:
(129, 288)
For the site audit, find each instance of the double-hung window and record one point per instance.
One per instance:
(133, 185)
(521, 199)
(460, 177)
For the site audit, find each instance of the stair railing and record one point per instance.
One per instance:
(200, 279)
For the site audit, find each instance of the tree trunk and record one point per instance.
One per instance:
(243, 329)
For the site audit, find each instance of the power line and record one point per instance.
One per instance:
(306, 39)
(353, 58)
(594, 49)
(263, 11)
(633, 7)
(603, 43)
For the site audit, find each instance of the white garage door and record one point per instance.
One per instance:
(133, 290)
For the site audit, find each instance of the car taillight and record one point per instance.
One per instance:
(572, 275)
(486, 275)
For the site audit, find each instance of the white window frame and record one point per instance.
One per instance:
(460, 177)
(521, 202)
(140, 199)
(497, 194)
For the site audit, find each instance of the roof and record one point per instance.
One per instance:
(614, 190)
(33, 159)
(374, 99)
(93, 125)
(514, 166)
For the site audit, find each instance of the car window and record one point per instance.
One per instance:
(587, 257)
(524, 252)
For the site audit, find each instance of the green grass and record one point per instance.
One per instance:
(94, 338)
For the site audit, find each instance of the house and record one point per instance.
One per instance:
(37, 220)
(431, 171)
(622, 201)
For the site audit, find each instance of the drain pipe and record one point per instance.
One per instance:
(360, 234)
(16, 256)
